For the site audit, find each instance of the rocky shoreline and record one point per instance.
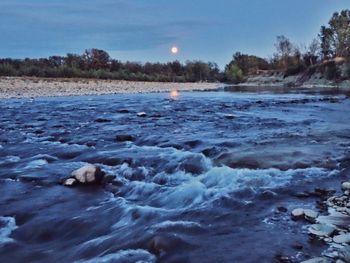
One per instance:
(330, 225)
(26, 87)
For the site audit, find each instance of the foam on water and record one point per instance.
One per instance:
(129, 255)
(7, 225)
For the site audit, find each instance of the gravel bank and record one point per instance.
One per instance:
(23, 87)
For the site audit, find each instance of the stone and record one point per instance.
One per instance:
(345, 186)
(141, 114)
(89, 174)
(70, 182)
(316, 260)
(124, 137)
(282, 209)
(310, 215)
(229, 116)
(321, 229)
(298, 213)
(344, 238)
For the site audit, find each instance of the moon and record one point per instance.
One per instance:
(174, 50)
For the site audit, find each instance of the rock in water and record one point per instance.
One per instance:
(89, 174)
(141, 114)
(124, 138)
(345, 186)
(321, 229)
(70, 182)
(298, 213)
(310, 215)
(344, 238)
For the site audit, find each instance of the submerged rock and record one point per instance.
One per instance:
(89, 174)
(124, 138)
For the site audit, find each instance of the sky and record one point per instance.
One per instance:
(145, 30)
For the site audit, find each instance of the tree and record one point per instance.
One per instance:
(96, 59)
(335, 38)
(233, 73)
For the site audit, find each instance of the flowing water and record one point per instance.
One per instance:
(200, 182)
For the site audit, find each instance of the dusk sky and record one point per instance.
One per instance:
(145, 30)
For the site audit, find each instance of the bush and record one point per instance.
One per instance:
(234, 74)
(7, 70)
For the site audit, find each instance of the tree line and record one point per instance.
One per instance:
(322, 56)
(330, 48)
(96, 63)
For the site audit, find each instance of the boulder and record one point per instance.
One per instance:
(89, 174)
(141, 114)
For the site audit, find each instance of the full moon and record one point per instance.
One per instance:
(174, 50)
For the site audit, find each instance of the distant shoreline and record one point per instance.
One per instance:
(27, 87)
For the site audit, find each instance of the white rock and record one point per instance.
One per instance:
(142, 114)
(344, 238)
(70, 182)
(321, 229)
(310, 214)
(88, 174)
(298, 213)
(345, 186)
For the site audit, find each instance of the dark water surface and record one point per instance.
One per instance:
(201, 182)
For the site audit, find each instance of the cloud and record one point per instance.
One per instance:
(62, 26)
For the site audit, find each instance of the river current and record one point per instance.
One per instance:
(201, 178)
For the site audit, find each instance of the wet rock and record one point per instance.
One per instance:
(101, 120)
(321, 229)
(70, 182)
(297, 246)
(282, 209)
(141, 114)
(316, 260)
(89, 174)
(124, 138)
(344, 238)
(229, 116)
(298, 213)
(310, 215)
(345, 186)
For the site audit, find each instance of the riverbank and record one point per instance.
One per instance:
(279, 81)
(24, 87)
